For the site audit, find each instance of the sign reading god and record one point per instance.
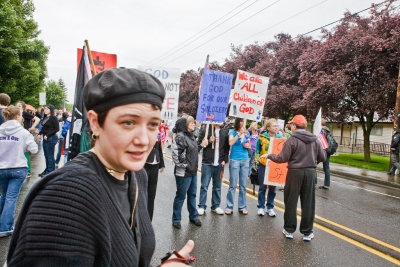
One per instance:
(170, 78)
(249, 96)
(214, 96)
(101, 61)
(275, 173)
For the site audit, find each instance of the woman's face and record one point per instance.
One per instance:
(241, 124)
(128, 134)
(46, 110)
(273, 129)
(191, 126)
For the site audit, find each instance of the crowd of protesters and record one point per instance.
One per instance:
(103, 171)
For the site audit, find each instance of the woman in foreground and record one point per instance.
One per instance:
(93, 211)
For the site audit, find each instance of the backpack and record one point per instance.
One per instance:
(333, 145)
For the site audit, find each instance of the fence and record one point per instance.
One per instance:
(357, 146)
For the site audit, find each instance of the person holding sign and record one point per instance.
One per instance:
(239, 140)
(214, 158)
(303, 152)
(262, 147)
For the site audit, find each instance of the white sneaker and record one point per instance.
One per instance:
(261, 212)
(287, 234)
(200, 211)
(218, 211)
(271, 212)
(308, 237)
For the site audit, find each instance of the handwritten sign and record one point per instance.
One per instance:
(170, 78)
(275, 173)
(249, 96)
(101, 61)
(214, 96)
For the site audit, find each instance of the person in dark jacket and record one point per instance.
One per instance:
(93, 211)
(215, 156)
(394, 148)
(154, 164)
(185, 156)
(303, 152)
(50, 127)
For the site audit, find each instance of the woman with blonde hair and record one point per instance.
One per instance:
(14, 141)
(262, 147)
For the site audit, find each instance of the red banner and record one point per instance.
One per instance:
(102, 61)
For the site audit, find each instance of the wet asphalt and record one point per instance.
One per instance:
(347, 209)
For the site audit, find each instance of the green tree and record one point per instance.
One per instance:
(55, 93)
(22, 55)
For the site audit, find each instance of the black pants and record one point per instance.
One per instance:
(300, 182)
(152, 173)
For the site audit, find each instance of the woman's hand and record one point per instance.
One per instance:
(45, 137)
(161, 170)
(247, 145)
(264, 156)
(212, 139)
(204, 143)
(185, 252)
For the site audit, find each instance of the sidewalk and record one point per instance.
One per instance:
(355, 173)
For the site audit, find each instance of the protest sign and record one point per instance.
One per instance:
(249, 96)
(281, 124)
(170, 78)
(42, 99)
(275, 173)
(214, 96)
(101, 61)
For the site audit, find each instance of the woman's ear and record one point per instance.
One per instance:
(94, 124)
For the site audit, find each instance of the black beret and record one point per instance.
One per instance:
(120, 86)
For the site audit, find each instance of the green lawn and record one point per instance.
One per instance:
(378, 163)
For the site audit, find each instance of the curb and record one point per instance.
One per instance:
(355, 177)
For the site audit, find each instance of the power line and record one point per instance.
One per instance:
(219, 35)
(278, 23)
(351, 15)
(177, 47)
(318, 27)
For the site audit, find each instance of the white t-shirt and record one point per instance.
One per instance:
(216, 146)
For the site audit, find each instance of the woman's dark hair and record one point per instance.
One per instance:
(236, 126)
(64, 116)
(51, 107)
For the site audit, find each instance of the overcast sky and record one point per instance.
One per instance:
(149, 32)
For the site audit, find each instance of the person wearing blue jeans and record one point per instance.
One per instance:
(327, 180)
(239, 140)
(261, 193)
(185, 186)
(185, 157)
(50, 138)
(238, 169)
(208, 172)
(14, 141)
(49, 148)
(262, 147)
(10, 182)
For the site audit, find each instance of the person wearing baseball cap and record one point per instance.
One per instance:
(93, 211)
(302, 151)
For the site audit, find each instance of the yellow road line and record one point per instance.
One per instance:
(334, 233)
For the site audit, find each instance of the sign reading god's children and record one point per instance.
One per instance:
(214, 96)
(249, 96)
(275, 173)
(101, 61)
(170, 78)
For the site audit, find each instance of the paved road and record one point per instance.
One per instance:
(357, 221)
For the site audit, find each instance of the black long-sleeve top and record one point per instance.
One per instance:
(51, 127)
(70, 218)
